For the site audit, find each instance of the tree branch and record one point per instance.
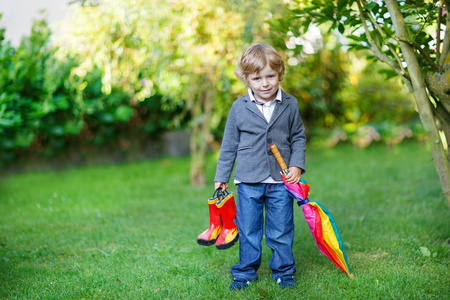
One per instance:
(446, 44)
(438, 31)
(422, 52)
(383, 34)
(372, 21)
(380, 55)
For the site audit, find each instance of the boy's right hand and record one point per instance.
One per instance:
(222, 185)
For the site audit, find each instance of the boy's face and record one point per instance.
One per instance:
(264, 84)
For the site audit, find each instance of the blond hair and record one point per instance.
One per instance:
(256, 58)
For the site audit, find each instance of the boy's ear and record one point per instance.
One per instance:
(244, 79)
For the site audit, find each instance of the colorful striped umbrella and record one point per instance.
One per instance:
(320, 221)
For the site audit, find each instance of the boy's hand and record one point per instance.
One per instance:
(294, 175)
(222, 185)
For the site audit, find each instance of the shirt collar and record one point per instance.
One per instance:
(278, 98)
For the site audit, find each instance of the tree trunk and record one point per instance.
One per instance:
(201, 112)
(421, 98)
(439, 88)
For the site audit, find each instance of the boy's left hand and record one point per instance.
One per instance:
(294, 175)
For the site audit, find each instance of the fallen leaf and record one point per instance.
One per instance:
(425, 251)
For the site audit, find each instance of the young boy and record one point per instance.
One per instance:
(265, 115)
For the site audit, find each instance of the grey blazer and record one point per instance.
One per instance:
(247, 138)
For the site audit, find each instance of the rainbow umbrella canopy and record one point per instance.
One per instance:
(320, 221)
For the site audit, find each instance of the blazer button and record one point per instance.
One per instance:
(269, 152)
(269, 141)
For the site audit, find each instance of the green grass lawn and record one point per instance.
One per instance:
(129, 232)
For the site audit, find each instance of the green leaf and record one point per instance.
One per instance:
(23, 139)
(123, 113)
(329, 12)
(353, 37)
(61, 102)
(342, 4)
(56, 130)
(9, 118)
(425, 252)
(106, 118)
(73, 126)
(370, 5)
(7, 144)
(6, 123)
(389, 73)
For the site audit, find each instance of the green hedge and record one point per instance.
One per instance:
(42, 113)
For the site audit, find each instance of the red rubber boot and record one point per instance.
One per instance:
(230, 234)
(210, 235)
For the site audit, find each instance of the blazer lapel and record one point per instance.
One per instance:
(279, 108)
(252, 107)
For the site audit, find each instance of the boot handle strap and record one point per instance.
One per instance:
(220, 192)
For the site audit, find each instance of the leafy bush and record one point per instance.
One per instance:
(46, 108)
(34, 100)
(344, 98)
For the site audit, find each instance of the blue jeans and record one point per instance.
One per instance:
(279, 230)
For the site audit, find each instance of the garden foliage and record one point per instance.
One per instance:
(344, 97)
(124, 69)
(45, 108)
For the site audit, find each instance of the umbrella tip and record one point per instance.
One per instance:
(352, 277)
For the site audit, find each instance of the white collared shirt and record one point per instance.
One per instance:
(266, 108)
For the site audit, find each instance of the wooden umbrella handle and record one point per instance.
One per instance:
(278, 157)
